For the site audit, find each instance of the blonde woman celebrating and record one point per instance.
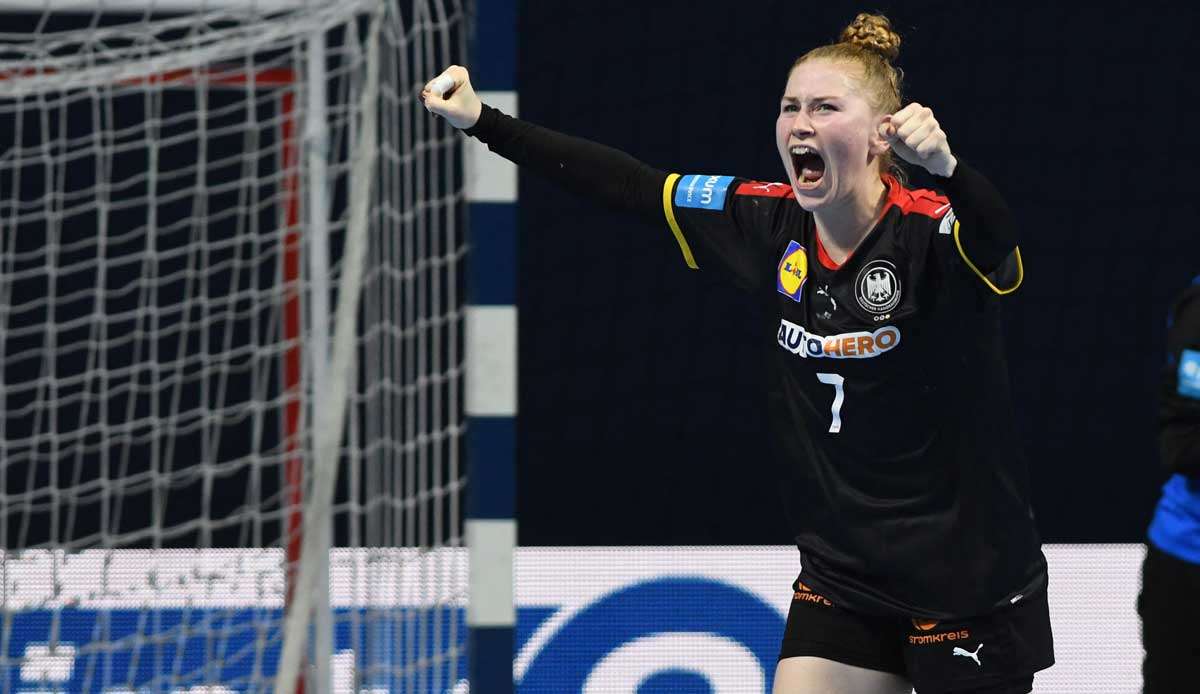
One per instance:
(896, 448)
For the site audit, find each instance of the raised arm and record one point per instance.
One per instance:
(989, 233)
(594, 171)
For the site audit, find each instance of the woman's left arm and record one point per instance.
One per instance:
(988, 235)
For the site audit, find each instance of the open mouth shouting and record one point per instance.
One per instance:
(808, 166)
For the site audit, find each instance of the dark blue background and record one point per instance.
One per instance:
(641, 411)
(641, 414)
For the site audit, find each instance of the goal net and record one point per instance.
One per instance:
(230, 324)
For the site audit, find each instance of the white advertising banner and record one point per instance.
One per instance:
(619, 620)
(709, 619)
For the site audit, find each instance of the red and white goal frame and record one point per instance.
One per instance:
(403, 401)
(297, 232)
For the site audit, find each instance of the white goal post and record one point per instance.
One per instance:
(230, 318)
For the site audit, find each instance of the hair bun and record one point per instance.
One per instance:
(873, 32)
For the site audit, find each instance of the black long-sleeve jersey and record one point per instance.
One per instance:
(1175, 528)
(890, 404)
(1179, 402)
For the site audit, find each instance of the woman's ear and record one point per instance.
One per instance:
(881, 137)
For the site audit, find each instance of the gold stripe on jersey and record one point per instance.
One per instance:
(669, 209)
(988, 282)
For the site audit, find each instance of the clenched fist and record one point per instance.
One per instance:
(915, 136)
(451, 96)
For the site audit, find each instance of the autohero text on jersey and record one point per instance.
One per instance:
(860, 345)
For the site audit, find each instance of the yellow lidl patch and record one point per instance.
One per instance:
(793, 270)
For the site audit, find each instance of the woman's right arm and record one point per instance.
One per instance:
(592, 170)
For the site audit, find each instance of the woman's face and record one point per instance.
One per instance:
(827, 132)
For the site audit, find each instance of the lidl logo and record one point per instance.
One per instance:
(1189, 374)
(793, 270)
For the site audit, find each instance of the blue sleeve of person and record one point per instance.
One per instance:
(702, 191)
(1189, 374)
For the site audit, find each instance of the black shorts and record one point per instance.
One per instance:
(990, 654)
(1170, 611)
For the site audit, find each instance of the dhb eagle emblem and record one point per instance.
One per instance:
(878, 287)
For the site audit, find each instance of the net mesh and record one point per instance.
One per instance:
(180, 200)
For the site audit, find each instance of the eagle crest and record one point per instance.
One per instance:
(879, 286)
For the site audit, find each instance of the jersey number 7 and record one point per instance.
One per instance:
(839, 396)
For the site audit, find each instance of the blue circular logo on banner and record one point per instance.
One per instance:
(635, 637)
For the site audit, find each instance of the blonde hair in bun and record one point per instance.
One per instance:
(873, 32)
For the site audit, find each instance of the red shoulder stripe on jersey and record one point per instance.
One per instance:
(769, 190)
(916, 200)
